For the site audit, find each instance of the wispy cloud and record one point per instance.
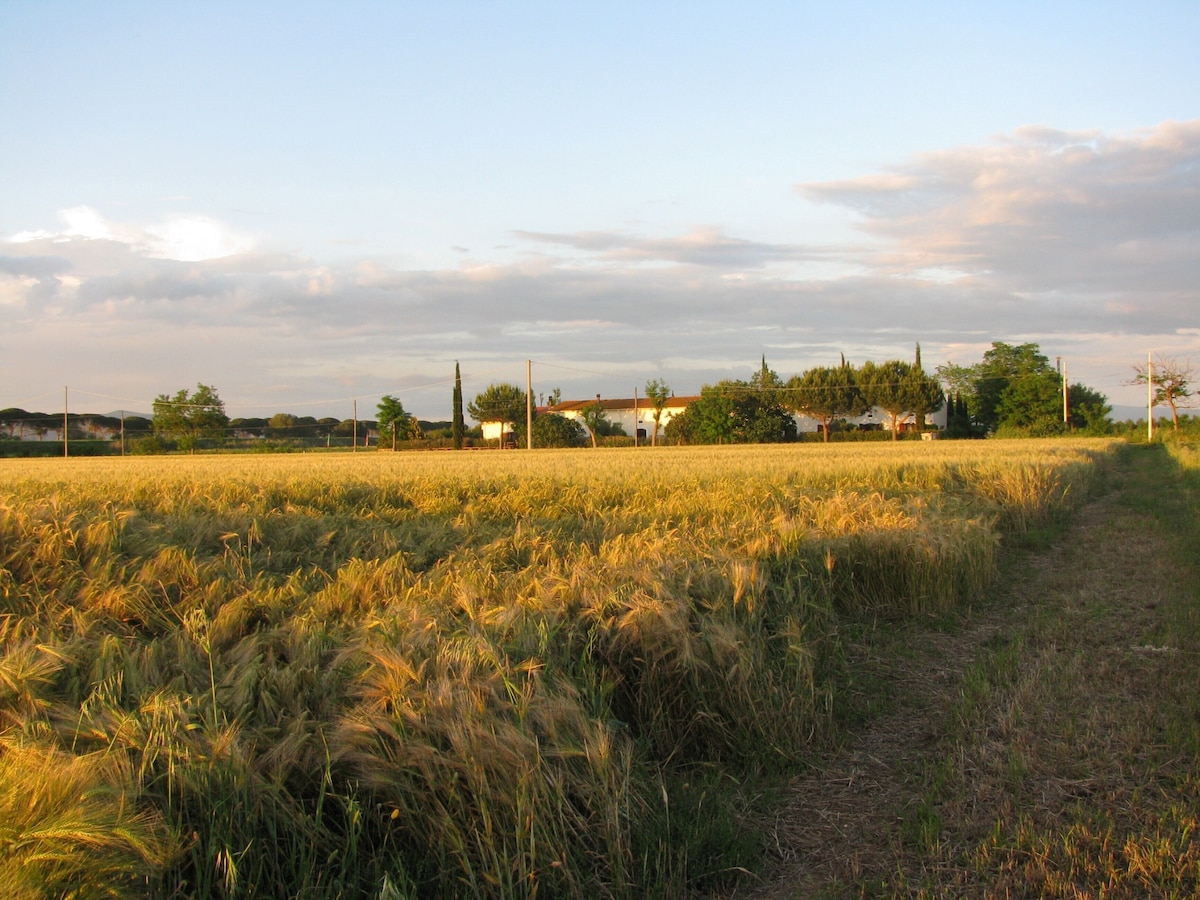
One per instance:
(1042, 211)
(703, 246)
(1082, 241)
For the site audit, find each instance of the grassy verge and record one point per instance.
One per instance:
(1093, 780)
(1045, 745)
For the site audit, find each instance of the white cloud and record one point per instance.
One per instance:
(1083, 242)
(703, 246)
(85, 222)
(1041, 210)
(195, 238)
(184, 238)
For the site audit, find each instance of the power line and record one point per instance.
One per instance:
(34, 400)
(577, 369)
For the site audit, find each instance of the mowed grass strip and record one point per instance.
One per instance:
(1087, 769)
(1047, 743)
(447, 674)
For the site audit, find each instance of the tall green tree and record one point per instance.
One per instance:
(1025, 374)
(393, 418)
(1031, 404)
(924, 392)
(190, 417)
(958, 380)
(554, 430)
(760, 409)
(710, 419)
(502, 403)
(737, 412)
(1014, 389)
(658, 392)
(457, 425)
(900, 389)
(883, 386)
(958, 419)
(826, 393)
(1089, 410)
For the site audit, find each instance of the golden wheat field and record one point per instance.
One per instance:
(453, 674)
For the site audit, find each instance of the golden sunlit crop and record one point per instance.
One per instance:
(447, 673)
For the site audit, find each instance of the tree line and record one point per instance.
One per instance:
(1013, 390)
(764, 408)
(191, 418)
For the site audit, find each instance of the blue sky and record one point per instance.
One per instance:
(303, 203)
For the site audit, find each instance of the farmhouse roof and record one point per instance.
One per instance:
(537, 411)
(606, 405)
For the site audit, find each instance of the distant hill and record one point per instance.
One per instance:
(1133, 413)
(116, 414)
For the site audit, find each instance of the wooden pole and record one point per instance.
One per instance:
(1066, 411)
(635, 417)
(1150, 396)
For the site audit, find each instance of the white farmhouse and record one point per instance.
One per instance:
(634, 415)
(877, 419)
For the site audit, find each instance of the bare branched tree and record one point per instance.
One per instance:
(1172, 381)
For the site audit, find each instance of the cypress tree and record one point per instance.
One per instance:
(456, 428)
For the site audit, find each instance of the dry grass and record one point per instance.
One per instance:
(71, 826)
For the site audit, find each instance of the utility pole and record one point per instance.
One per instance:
(66, 405)
(1150, 396)
(635, 417)
(528, 404)
(1066, 412)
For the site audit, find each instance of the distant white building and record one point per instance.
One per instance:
(498, 431)
(634, 415)
(877, 419)
(638, 414)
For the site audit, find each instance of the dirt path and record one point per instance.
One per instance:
(1028, 752)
